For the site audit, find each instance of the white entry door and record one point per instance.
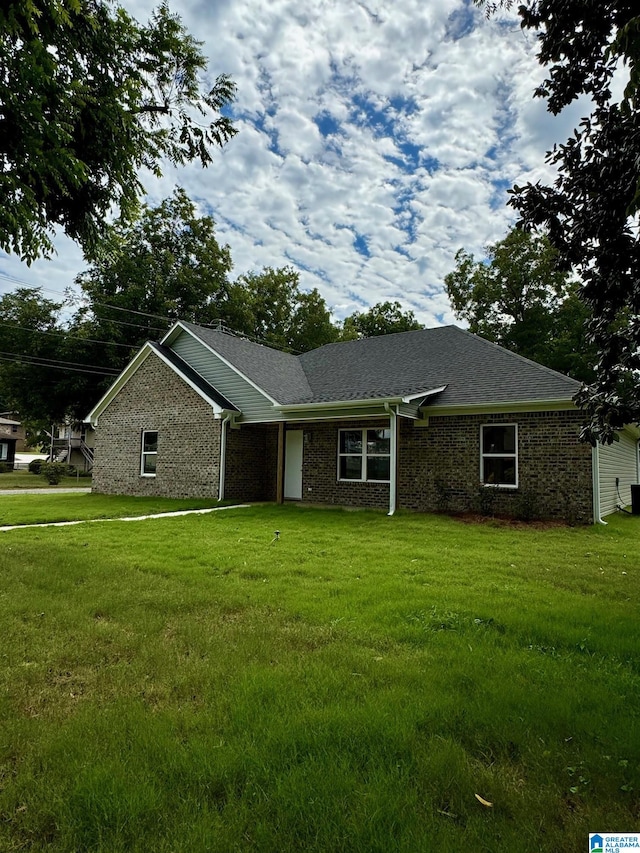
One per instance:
(293, 465)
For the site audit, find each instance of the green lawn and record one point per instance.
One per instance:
(26, 480)
(192, 684)
(34, 509)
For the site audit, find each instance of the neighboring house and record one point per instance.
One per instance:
(73, 444)
(11, 427)
(437, 419)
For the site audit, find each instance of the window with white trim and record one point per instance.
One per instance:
(364, 455)
(499, 455)
(149, 453)
(4, 451)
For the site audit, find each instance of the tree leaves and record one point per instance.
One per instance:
(591, 211)
(88, 96)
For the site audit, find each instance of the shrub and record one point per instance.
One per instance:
(53, 472)
(486, 500)
(443, 496)
(527, 506)
(35, 465)
(5, 468)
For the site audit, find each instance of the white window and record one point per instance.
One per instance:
(4, 451)
(149, 453)
(499, 455)
(364, 455)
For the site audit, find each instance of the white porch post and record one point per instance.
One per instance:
(393, 450)
(223, 455)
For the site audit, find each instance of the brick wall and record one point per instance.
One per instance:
(155, 398)
(320, 467)
(439, 466)
(251, 469)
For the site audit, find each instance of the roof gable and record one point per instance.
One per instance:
(216, 400)
(278, 375)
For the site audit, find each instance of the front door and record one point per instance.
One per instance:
(293, 465)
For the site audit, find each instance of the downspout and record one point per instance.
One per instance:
(393, 450)
(595, 476)
(223, 453)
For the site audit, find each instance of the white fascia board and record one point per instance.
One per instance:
(491, 408)
(133, 366)
(172, 335)
(332, 404)
(423, 394)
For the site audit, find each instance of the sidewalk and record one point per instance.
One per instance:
(172, 514)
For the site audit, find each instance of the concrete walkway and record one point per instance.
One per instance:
(65, 491)
(174, 514)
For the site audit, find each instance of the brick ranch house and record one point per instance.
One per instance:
(436, 419)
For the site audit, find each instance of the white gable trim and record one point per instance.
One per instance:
(180, 327)
(134, 365)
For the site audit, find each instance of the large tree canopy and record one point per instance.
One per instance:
(270, 307)
(518, 298)
(88, 96)
(166, 266)
(384, 318)
(591, 210)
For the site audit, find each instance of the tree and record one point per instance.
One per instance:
(88, 97)
(591, 211)
(519, 299)
(166, 266)
(34, 362)
(385, 318)
(270, 307)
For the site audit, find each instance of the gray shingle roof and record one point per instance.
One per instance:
(474, 370)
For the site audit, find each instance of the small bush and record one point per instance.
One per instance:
(443, 496)
(35, 465)
(527, 506)
(53, 472)
(5, 468)
(486, 500)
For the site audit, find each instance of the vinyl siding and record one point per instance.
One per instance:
(619, 459)
(253, 405)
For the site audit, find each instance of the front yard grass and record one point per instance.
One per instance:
(26, 480)
(35, 509)
(199, 684)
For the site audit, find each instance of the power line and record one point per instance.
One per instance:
(45, 362)
(57, 367)
(132, 311)
(169, 320)
(68, 335)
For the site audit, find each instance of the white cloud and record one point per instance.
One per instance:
(395, 128)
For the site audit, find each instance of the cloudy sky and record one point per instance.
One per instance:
(375, 140)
